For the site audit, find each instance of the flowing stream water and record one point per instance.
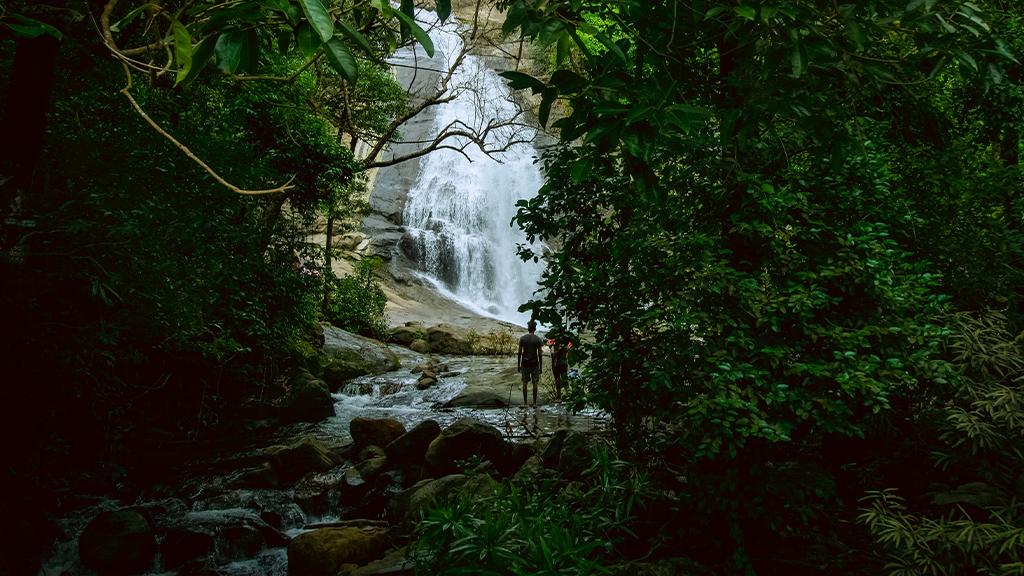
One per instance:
(460, 208)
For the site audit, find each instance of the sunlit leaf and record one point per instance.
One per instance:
(421, 36)
(341, 59)
(319, 18)
(182, 50)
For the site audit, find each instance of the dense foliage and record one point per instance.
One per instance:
(767, 212)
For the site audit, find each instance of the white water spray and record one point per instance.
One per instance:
(461, 205)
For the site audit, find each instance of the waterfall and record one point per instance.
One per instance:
(460, 206)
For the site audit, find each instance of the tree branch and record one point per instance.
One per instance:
(127, 93)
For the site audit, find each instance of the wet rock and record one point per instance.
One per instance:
(118, 542)
(575, 457)
(348, 356)
(426, 380)
(464, 439)
(420, 345)
(412, 446)
(324, 552)
(218, 537)
(408, 504)
(375, 431)
(307, 400)
(262, 476)
(449, 339)
(389, 388)
(298, 459)
(405, 335)
(184, 544)
(478, 399)
(517, 455)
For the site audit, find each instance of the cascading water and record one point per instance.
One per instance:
(460, 207)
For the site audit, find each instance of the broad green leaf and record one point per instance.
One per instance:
(798, 59)
(855, 34)
(562, 48)
(514, 18)
(341, 59)
(307, 39)
(229, 50)
(714, 12)
(182, 50)
(417, 32)
(31, 28)
(519, 81)
(545, 105)
(748, 12)
(356, 36)
(567, 81)
(444, 9)
(407, 8)
(319, 18)
(201, 54)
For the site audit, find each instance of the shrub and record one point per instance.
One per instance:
(357, 301)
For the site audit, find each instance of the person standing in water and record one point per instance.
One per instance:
(529, 361)
(560, 345)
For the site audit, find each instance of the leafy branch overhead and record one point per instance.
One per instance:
(236, 37)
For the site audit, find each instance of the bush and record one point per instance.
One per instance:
(549, 528)
(356, 301)
(973, 523)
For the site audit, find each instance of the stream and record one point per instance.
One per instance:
(205, 491)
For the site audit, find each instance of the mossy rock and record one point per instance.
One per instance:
(327, 551)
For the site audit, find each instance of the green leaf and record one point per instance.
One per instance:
(201, 55)
(444, 9)
(341, 59)
(182, 50)
(567, 81)
(407, 8)
(319, 18)
(129, 17)
(410, 25)
(714, 12)
(603, 39)
(290, 11)
(520, 81)
(798, 59)
(562, 48)
(545, 105)
(357, 37)
(308, 40)
(31, 28)
(229, 50)
(748, 12)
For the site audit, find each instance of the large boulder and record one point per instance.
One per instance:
(374, 431)
(420, 345)
(307, 400)
(326, 551)
(408, 504)
(217, 536)
(412, 446)
(449, 339)
(298, 459)
(347, 356)
(118, 542)
(464, 439)
(405, 335)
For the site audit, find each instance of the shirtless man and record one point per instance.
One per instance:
(529, 360)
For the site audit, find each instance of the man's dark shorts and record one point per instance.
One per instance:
(530, 374)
